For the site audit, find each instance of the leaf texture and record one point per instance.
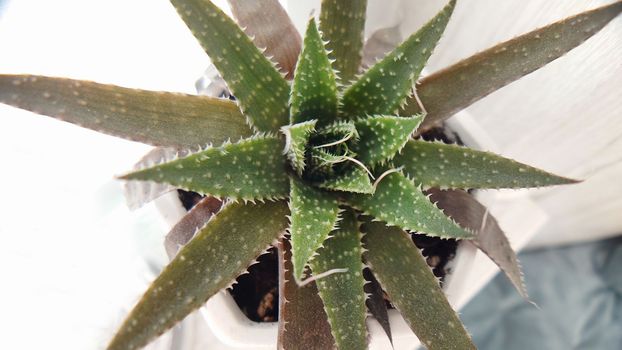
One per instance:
(297, 138)
(302, 319)
(342, 23)
(221, 251)
(376, 304)
(413, 289)
(458, 86)
(314, 91)
(342, 292)
(250, 169)
(381, 137)
(384, 87)
(261, 91)
(354, 179)
(435, 164)
(156, 118)
(313, 215)
(490, 239)
(398, 202)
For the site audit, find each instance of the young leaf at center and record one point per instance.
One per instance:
(296, 140)
(313, 215)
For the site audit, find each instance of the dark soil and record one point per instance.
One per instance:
(257, 294)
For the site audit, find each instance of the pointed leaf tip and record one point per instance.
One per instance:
(490, 239)
(384, 87)
(435, 164)
(456, 87)
(399, 202)
(314, 90)
(152, 117)
(381, 137)
(261, 91)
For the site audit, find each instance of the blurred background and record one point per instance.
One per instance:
(75, 258)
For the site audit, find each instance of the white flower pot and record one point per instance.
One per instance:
(517, 215)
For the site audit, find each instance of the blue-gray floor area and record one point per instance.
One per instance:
(578, 290)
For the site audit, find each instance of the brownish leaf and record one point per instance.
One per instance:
(303, 324)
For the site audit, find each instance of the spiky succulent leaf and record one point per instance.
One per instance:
(342, 23)
(354, 179)
(342, 292)
(219, 252)
(313, 215)
(296, 140)
(380, 137)
(314, 90)
(490, 239)
(302, 319)
(261, 91)
(400, 203)
(156, 118)
(403, 272)
(460, 85)
(376, 303)
(385, 86)
(250, 169)
(138, 193)
(269, 25)
(341, 130)
(435, 164)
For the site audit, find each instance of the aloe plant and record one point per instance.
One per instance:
(325, 164)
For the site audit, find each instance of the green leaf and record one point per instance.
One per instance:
(490, 239)
(381, 137)
(262, 92)
(342, 23)
(398, 202)
(302, 318)
(456, 87)
(156, 118)
(250, 169)
(354, 179)
(219, 252)
(384, 87)
(342, 291)
(414, 291)
(297, 138)
(269, 25)
(341, 130)
(435, 164)
(314, 91)
(314, 215)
